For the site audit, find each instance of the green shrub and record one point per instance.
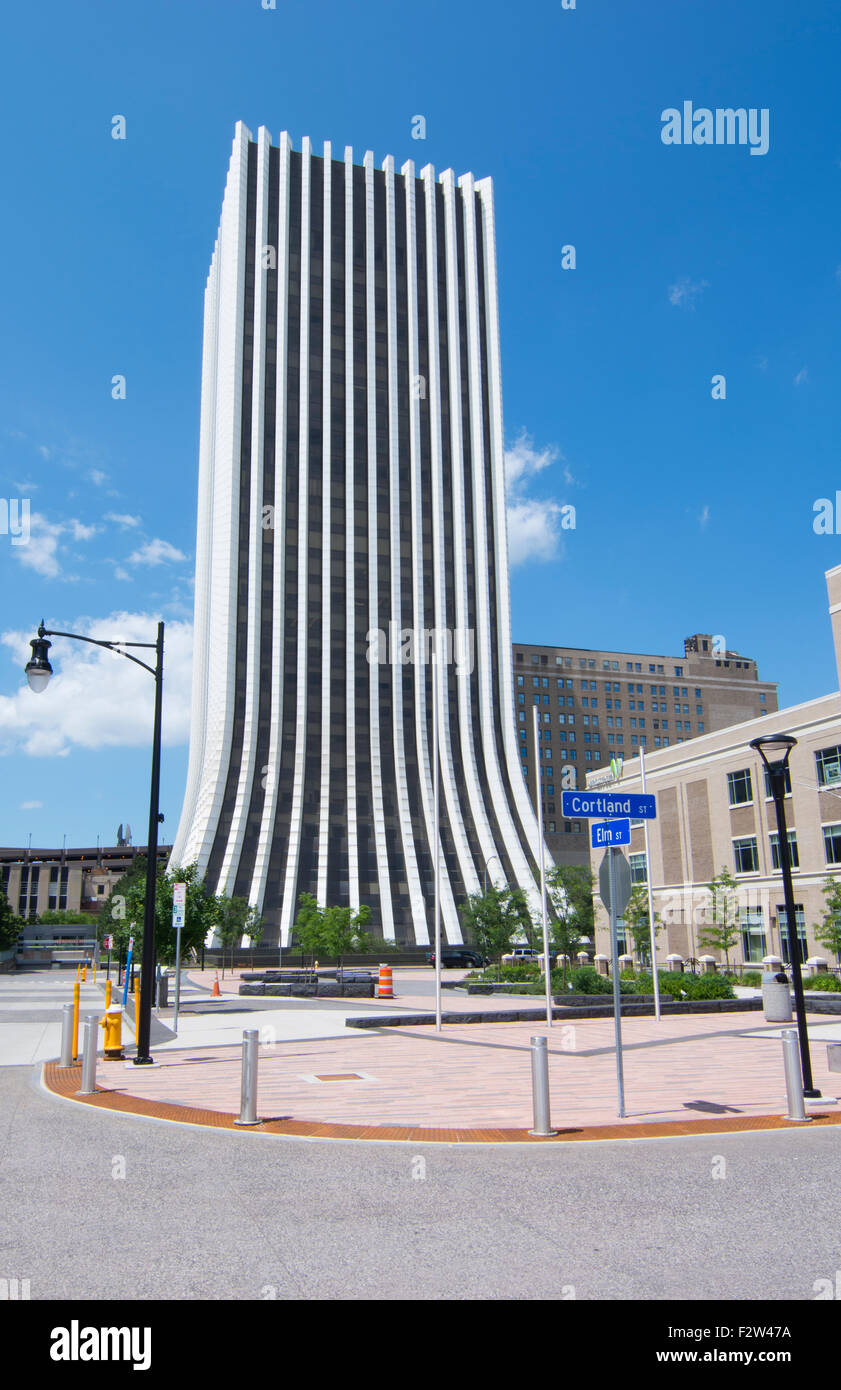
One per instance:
(829, 984)
(687, 986)
(584, 980)
(752, 979)
(511, 974)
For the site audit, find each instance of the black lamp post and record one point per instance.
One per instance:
(38, 673)
(774, 750)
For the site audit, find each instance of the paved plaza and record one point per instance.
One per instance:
(689, 1073)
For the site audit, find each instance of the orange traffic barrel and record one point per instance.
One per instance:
(385, 989)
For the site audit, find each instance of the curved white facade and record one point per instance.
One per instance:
(351, 522)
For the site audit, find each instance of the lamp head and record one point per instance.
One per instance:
(38, 668)
(774, 749)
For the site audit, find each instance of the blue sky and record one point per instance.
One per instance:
(693, 514)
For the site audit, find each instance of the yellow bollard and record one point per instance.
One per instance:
(107, 994)
(94, 972)
(75, 1020)
(137, 1011)
(84, 973)
(78, 969)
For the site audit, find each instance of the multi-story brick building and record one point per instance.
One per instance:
(715, 811)
(597, 705)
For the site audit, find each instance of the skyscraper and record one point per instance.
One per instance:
(351, 527)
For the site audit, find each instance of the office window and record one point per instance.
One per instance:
(753, 934)
(828, 763)
(697, 693)
(832, 843)
(639, 869)
(678, 670)
(794, 853)
(535, 680)
(519, 680)
(745, 855)
(799, 930)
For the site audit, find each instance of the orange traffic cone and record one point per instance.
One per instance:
(217, 993)
(384, 988)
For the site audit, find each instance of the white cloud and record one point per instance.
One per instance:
(41, 552)
(120, 573)
(121, 519)
(96, 698)
(97, 477)
(684, 293)
(44, 451)
(156, 552)
(30, 806)
(533, 523)
(704, 517)
(802, 375)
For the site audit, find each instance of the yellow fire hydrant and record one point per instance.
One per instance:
(112, 1022)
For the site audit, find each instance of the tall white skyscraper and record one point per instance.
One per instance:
(351, 526)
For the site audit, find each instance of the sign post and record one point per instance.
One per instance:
(128, 968)
(615, 892)
(179, 907)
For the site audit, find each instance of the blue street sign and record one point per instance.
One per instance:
(610, 832)
(601, 804)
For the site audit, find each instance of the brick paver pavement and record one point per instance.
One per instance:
(478, 1075)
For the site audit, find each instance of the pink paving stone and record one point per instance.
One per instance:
(478, 1075)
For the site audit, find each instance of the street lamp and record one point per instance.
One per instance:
(38, 673)
(488, 863)
(774, 750)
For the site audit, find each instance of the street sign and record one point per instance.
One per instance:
(610, 832)
(179, 901)
(621, 882)
(600, 804)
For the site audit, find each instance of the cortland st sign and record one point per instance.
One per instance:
(608, 804)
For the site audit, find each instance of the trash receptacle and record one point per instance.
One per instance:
(776, 998)
(163, 991)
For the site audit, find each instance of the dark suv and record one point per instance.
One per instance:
(453, 957)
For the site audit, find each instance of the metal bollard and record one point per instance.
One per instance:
(248, 1089)
(66, 1036)
(540, 1090)
(88, 1087)
(794, 1077)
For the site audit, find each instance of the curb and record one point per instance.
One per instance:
(65, 1081)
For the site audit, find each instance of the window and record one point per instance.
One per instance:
(639, 870)
(608, 704)
(799, 928)
(832, 843)
(678, 670)
(697, 693)
(535, 680)
(521, 699)
(828, 762)
(585, 701)
(753, 934)
(699, 709)
(794, 853)
(700, 728)
(745, 855)
(519, 680)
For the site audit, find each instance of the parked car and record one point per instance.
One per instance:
(522, 955)
(453, 957)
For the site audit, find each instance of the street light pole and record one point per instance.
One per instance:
(783, 744)
(38, 673)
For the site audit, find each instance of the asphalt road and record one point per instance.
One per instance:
(203, 1214)
(98, 1206)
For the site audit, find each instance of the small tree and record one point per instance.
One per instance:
(10, 925)
(569, 889)
(723, 934)
(309, 926)
(344, 930)
(254, 929)
(231, 924)
(127, 906)
(828, 932)
(636, 920)
(493, 918)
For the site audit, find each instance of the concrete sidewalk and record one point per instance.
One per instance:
(686, 1072)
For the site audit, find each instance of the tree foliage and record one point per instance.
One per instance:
(10, 925)
(828, 931)
(636, 920)
(331, 931)
(723, 933)
(492, 919)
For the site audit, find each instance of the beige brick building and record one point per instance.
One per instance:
(596, 705)
(714, 811)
